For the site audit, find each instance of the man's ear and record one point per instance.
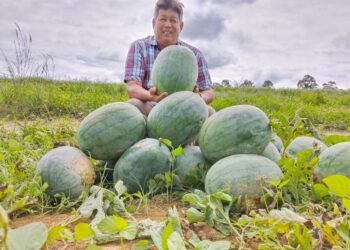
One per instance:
(153, 22)
(181, 25)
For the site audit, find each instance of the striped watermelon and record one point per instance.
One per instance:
(178, 117)
(109, 130)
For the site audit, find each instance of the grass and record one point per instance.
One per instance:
(35, 97)
(31, 98)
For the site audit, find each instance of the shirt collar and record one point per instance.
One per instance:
(154, 42)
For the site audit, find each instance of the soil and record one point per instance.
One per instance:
(156, 211)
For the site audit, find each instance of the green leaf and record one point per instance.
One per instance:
(286, 215)
(157, 239)
(31, 236)
(191, 198)
(168, 230)
(175, 242)
(112, 224)
(283, 183)
(82, 231)
(193, 215)
(141, 245)
(166, 142)
(319, 191)
(209, 216)
(222, 196)
(120, 188)
(220, 245)
(346, 204)
(130, 232)
(67, 235)
(55, 233)
(343, 231)
(338, 184)
(2, 157)
(177, 151)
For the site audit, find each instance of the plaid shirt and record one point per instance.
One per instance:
(142, 54)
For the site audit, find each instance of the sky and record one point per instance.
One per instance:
(241, 40)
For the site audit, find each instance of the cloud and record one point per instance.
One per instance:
(232, 2)
(342, 41)
(206, 27)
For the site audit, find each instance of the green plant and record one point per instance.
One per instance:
(25, 64)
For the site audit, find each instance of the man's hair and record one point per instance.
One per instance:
(169, 4)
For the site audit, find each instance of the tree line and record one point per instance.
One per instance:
(307, 82)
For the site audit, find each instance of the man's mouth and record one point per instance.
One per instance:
(167, 33)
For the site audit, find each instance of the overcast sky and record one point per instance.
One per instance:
(241, 39)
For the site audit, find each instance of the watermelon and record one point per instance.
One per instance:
(175, 69)
(242, 175)
(191, 166)
(276, 140)
(109, 130)
(241, 129)
(302, 143)
(141, 162)
(66, 170)
(178, 117)
(272, 152)
(334, 160)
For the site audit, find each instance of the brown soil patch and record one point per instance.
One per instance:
(156, 210)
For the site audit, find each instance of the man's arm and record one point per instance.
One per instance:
(135, 90)
(207, 95)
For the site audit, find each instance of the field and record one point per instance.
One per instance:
(37, 115)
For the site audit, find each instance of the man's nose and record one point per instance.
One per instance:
(167, 23)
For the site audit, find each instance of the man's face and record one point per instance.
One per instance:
(167, 27)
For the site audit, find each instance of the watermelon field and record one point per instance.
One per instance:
(269, 170)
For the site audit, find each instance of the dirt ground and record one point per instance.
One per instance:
(157, 211)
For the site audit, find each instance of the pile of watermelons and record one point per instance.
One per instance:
(236, 147)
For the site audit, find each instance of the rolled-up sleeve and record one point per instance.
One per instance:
(204, 80)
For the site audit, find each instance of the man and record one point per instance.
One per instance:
(167, 25)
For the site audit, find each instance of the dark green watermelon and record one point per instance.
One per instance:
(241, 129)
(191, 166)
(334, 160)
(302, 143)
(141, 162)
(272, 152)
(66, 170)
(179, 118)
(242, 175)
(175, 69)
(109, 130)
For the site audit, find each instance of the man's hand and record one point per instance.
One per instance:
(157, 98)
(135, 90)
